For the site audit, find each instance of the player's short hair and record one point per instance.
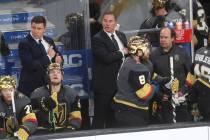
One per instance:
(109, 13)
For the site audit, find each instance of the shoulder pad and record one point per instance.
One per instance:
(138, 78)
(21, 101)
(70, 93)
(39, 92)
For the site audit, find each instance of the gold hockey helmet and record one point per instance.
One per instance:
(159, 3)
(55, 66)
(7, 82)
(139, 43)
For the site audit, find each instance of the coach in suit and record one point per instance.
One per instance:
(109, 49)
(36, 52)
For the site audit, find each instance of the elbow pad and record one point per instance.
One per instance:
(146, 92)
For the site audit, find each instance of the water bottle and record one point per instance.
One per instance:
(179, 24)
(171, 25)
(187, 24)
(165, 24)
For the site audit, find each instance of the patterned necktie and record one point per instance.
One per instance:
(115, 42)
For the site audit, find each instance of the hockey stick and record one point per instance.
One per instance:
(173, 94)
(51, 117)
(14, 114)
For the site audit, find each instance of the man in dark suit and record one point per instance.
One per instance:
(36, 52)
(109, 49)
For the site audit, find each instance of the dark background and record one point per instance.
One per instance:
(206, 6)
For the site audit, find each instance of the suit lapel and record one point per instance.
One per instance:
(38, 49)
(121, 37)
(109, 41)
(47, 40)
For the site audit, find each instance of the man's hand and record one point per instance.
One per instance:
(125, 51)
(51, 52)
(58, 59)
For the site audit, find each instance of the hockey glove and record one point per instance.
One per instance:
(190, 80)
(22, 134)
(48, 103)
(173, 85)
(179, 98)
(168, 85)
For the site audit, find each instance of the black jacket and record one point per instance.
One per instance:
(107, 61)
(182, 63)
(34, 62)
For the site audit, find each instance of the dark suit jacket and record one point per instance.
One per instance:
(106, 62)
(34, 62)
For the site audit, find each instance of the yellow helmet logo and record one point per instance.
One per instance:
(139, 43)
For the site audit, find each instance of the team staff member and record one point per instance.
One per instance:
(24, 122)
(182, 64)
(36, 52)
(109, 49)
(131, 102)
(57, 106)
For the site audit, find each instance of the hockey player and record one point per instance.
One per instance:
(131, 102)
(16, 115)
(199, 25)
(199, 80)
(57, 106)
(161, 12)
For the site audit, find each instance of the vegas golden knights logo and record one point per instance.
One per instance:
(60, 114)
(9, 125)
